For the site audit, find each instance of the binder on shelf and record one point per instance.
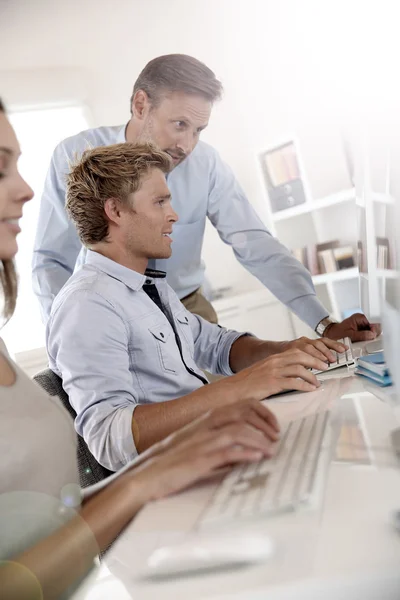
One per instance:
(312, 259)
(344, 257)
(283, 176)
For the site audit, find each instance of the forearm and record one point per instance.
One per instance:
(154, 422)
(63, 558)
(247, 350)
(309, 309)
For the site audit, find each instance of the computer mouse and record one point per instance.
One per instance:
(208, 551)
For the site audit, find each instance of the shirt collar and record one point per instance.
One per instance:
(155, 274)
(121, 135)
(130, 278)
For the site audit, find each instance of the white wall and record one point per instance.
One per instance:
(283, 64)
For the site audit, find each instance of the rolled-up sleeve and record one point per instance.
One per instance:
(212, 345)
(87, 343)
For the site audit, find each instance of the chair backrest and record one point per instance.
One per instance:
(90, 471)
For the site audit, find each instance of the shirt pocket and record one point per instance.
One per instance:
(166, 346)
(185, 331)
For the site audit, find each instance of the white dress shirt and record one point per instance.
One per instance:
(115, 350)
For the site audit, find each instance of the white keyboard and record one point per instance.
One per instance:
(344, 359)
(271, 485)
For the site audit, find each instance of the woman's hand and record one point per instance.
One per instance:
(241, 432)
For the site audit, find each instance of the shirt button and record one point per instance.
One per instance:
(148, 281)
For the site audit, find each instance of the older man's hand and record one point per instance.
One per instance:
(357, 328)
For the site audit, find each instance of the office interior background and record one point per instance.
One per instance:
(313, 71)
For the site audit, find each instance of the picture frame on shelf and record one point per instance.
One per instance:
(284, 175)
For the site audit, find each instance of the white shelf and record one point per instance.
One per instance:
(342, 275)
(382, 198)
(310, 206)
(387, 273)
(383, 274)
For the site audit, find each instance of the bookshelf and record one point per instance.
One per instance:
(319, 221)
(316, 222)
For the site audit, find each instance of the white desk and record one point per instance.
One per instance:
(348, 545)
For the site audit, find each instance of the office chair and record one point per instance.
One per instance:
(90, 471)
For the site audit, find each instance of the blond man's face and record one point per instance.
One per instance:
(149, 219)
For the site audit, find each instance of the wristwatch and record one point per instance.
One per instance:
(323, 324)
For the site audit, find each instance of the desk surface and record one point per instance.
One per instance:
(346, 543)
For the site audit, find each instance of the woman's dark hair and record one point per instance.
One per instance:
(8, 275)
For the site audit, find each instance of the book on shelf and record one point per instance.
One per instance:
(344, 257)
(325, 258)
(327, 263)
(312, 259)
(361, 257)
(382, 250)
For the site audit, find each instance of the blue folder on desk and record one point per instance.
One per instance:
(374, 368)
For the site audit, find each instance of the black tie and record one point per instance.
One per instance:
(152, 292)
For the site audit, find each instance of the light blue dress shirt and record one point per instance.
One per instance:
(115, 349)
(201, 186)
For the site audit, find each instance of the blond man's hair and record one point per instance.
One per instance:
(105, 172)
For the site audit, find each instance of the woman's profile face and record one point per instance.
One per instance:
(14, 191)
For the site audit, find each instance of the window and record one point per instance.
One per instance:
(38, 131)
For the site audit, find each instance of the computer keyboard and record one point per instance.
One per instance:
(281, 483)
(344, 359)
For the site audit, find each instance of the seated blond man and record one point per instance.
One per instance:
(130, 355)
